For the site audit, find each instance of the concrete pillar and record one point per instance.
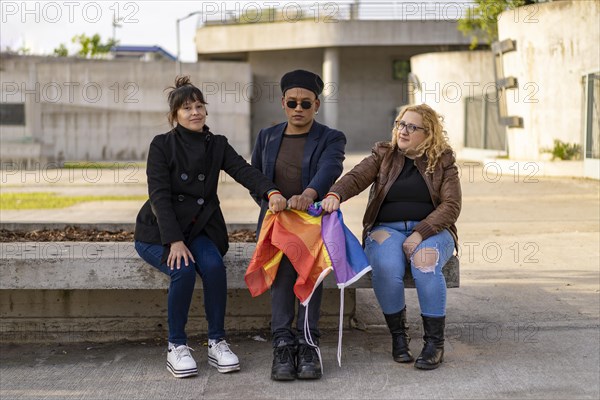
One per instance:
(33, 98)
(331, 78)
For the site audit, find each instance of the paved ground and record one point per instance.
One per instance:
(524, 323)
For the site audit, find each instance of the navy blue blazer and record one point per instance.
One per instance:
(322, 162)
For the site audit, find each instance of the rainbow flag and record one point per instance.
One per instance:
(314, 242)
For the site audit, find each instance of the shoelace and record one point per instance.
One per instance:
(222, 347)
(182, 351)
(307, 353)
(284, 355)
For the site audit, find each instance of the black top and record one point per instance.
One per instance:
(288, 167)
(408, 198)
(183, 171)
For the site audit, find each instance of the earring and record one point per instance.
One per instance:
(317, 112)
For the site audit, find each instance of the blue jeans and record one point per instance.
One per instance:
(209, 265)
(389, 265)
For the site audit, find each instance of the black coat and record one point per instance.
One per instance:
(183, 172)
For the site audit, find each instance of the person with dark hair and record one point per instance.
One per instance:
(304, 158)
(181, 231)
(414, 203)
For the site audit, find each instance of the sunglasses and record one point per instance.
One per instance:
(305, 104)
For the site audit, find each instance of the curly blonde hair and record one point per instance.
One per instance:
(435, 143)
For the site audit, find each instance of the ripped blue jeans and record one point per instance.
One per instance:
(383, 247)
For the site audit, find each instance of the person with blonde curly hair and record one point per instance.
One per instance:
(409, 222)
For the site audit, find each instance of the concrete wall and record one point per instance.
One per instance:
(311, 33)
(30, 316)
(110, 109)
(366, 93)
(447, 80)
(267, 69)
(556, 44)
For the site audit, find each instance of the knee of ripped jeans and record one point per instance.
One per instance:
(425, 259)
(379, 236)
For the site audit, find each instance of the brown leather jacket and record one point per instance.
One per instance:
(382, 168)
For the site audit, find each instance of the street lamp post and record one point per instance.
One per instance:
(178, 64)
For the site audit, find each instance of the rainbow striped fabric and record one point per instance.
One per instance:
(316, 243)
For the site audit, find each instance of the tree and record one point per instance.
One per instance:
(482, 20)
(89, 47)
(92, 46)
(61, 51)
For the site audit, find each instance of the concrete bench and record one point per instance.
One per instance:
(74, 291)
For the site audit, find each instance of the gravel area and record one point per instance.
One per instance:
(75, 234)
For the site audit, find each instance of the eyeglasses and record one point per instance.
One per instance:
(305, 104)
(410, 128)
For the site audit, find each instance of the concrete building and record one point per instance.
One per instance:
(558, 72)
(362, 52)
(56, 109)
(456, 84)
(538, 84)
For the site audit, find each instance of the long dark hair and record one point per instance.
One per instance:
(183, 91)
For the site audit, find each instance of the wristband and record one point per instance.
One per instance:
(271, 193)
(334, 194)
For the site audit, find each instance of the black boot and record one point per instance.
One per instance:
(432, 354)
(400, 339)
(309, 365)
(284, 363)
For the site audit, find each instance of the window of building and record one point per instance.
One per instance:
(12, 114)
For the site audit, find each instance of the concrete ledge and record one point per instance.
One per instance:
(75, 291)
(115, 265)
(42, 316)
(93, 265)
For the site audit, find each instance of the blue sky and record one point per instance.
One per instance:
(42, 26)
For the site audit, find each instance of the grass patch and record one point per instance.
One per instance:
(37, 200)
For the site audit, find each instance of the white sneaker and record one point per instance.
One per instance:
(180, 361)
(221, 357)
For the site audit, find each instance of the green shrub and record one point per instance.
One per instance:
(564, 151)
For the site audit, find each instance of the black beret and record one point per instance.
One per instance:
(302, 79)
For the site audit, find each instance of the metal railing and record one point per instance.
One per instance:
(219, 13)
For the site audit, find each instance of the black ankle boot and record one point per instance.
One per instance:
(400, 339)
(432, 354)
(308, 365)
(284, 363)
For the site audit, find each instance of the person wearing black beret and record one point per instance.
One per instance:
(303, 158)
(180, 230)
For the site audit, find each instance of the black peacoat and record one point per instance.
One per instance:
(183, 170)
